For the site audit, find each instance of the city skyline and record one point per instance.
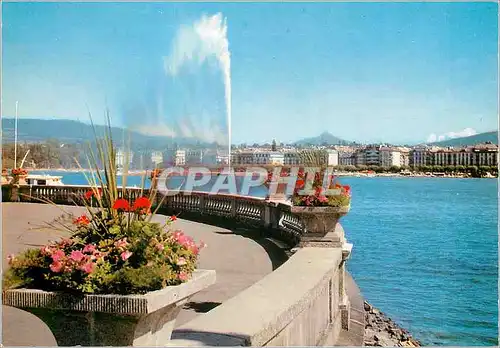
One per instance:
(398, 73)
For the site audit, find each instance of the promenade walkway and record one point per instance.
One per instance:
(240, 258)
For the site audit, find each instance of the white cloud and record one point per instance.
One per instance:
(467, 132)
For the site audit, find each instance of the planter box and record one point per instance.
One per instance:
(110, 320)
(321, 225)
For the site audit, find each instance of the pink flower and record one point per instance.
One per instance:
(66, 242)
(46, 250)
(194, 249)
(323, 199)
(125, 255)
(88, 267)
(89, 248)
(98, 255)
(77, 256)
(159, 247)
(181, 261)
(56, 267)
(58, 255)
(183, 276)
(121, 244)
(11, 258)
(178, 234)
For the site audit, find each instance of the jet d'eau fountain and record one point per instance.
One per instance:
(197, 44)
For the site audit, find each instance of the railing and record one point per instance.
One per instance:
(274, 218)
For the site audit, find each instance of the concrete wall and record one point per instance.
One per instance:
(297, 304)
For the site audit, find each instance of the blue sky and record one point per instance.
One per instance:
(367, 72)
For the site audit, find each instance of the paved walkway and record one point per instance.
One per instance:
(239, 261)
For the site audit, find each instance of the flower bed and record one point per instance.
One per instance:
(120, 253)
(313, 192)
(113, 248)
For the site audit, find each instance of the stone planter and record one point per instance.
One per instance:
(321, 224)
(110, 320)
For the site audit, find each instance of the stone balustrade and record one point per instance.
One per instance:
(275, 219)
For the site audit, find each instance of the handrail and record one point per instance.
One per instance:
(274, 218)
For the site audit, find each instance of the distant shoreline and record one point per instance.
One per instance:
(339, 174)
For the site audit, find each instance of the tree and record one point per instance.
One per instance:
(395, 169)
(460, 168)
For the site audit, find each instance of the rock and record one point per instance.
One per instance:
(368, 307)
(382, 331)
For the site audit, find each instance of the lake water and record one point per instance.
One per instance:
(425, 253)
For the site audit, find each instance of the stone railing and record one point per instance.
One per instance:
(303, 302)
(275, 219)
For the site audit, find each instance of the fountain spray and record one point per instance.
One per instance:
(204, 39)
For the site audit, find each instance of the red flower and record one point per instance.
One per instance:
(141, 204)
(121, 204)
(173, 218)
(300, 183)
(90, 193)
(19, 171)
(82, 220)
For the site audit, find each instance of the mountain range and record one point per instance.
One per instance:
(69, 131)
(491, 137)
(326, 138)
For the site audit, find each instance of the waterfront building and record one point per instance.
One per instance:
(156, 158)
(420, 156)
(347, 159)
(477, 155)
(405, 156)
(242, 157)
(360, 158)
(291, 158)
(332, 158)
(120, 158)
(372, 156)
(179, 157)
(222, 157)
(193, 156)
(389, 157)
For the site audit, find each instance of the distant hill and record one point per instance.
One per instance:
(323, 138)
(467, 141)
(69, 131)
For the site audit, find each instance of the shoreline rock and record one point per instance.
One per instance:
(381, 331)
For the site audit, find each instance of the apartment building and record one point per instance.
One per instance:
(389, 157)
(372, 156)
(156, 158)
(291, 158)
(120, 158)
(347, 159)
(405, 156)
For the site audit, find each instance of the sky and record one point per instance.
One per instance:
(367, 72)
